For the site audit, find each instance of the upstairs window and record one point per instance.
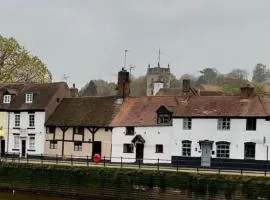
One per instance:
(28, 97)
(31, 120)
(164, 119)
(224, 124)
(51, 129)
(223, 149)
(187, 123)
(78, 130)
(130, 130)
(7, 98)
(251, 124)
(17, 120)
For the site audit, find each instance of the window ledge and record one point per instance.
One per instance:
(31, 128)
(16, 128)
(32, 150)
(15, 149)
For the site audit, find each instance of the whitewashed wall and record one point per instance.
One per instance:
(152, 135)
(206, 129)
(39, 131)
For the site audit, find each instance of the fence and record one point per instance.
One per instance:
(175, 164)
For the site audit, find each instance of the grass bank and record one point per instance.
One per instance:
(126, 183)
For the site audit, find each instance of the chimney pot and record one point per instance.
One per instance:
(74, 85)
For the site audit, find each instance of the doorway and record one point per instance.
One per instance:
(139, 152)
(23, 150)
(206, 154)
(3, 143)
(97, 148)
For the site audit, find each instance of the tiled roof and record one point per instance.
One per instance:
(267, 89)
(84, 111)
(42, 95)
(141, 111)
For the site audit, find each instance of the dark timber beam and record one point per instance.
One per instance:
(64, 129)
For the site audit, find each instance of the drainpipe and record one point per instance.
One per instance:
(8, 132)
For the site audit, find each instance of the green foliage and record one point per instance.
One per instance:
(261, 74)
(18, 65)
(98, 88)
(138, 86)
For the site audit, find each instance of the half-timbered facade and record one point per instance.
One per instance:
(80, 127)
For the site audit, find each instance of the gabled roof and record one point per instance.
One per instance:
(84, 111)
(141, 111)
(42, 95)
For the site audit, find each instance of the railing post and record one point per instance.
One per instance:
(56, 159)
(241, 171)
(19, 159)
(177, 166)
(104, 162)
(265, 170)
(71, 160)
(158, 164)
(41, 158)
(121, 162)
(87, 161)
(26, 158)
(139, 163)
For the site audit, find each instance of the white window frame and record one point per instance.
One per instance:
(7, 98)
(17, 120)
(224, 124)
(186, 148)
(31, 121)
(28, 97)
(223, 150)
(187, 123)
(16, 141)
(32, 141)
(53, 144)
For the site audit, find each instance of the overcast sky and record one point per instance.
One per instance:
(86, 38)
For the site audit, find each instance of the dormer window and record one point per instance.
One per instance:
(7, 98)
(29, 98)
(164, 116)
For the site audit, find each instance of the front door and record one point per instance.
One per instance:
(23, 150)
(139, 151)
(2, 147)
(97, 148)
(206, 155)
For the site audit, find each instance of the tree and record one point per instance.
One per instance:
(18, 65)
(261, 74)
(240, 74)
(98, 88)
(209, 76)
(138, 86)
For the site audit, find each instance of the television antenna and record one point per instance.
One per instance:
(125, 58)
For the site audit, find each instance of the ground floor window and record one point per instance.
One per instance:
(77, 146)
(16, 141)
(159, 148)
(32, 142)
(53, 144)
(250, 150)
(223, 149)
(128, 148)
(186, 148)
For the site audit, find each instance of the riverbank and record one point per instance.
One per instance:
(112, 183)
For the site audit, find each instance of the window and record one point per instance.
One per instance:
(128, 148)
(187, 122)
(223, 149)
(130, 130)
(51, 129)
(32, 142)
(224, 124)
(28, 97)
(77, 146)
(164, 119)
(53, 144)
(186, 148)
(32, 120)
(159, 148)
(17, 120)
(250, 150)
(251, 124)
(16, 141)
(78, 130)
(7, 98)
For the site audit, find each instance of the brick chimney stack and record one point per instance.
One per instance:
(123, 83)
(186, 85)
(73, 92)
